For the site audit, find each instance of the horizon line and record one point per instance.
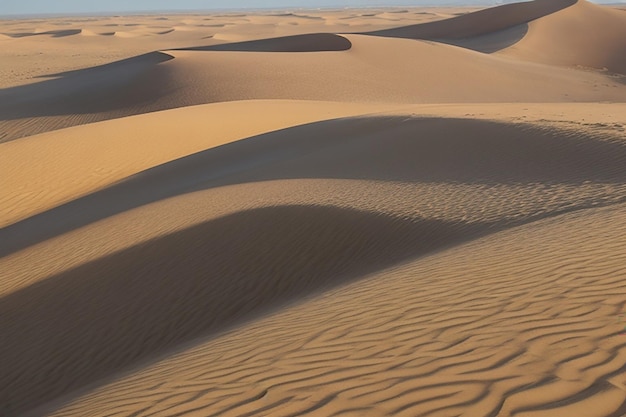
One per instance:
(148, 12)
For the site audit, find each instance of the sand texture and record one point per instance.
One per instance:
(377, 212)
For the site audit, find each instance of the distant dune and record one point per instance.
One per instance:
(585, 35)
(333, 213)
(482, 22)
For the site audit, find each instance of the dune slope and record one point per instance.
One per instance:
(585, 35)
(327, 213)
(482, 22)
(375, 192)
(505, 334)
(393, 70)
(35, 182)
(573, 33)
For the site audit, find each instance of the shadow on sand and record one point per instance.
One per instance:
(487, 30)
(71, 330)
(376, 148)
(91, 90)
(313, 42)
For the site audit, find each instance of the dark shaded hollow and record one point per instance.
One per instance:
(111, 90)
(312, 42)
(127, 87)
(487, 31)
(53, 33)
(376, 148)
(491, 42)
(88, 323)
(479, 23)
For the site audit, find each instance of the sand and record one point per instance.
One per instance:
(415, 211)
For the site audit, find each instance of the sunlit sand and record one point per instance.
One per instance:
(411, 212)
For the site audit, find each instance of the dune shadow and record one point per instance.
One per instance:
(491, 42)
(312, 42)
(488, 30)
(296, 15)
(52, 33)
(140, 61)
(70, 330)
(103, 88)
(124, 88)
(413, 150)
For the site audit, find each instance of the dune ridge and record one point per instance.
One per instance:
(410, 231)
(586, 35)
(482, 22)
(552, 35)
(228, 297)
(314, 42)
(407, 211)
(179, 78)
(468, 341)
(37, 190)
(566, 32)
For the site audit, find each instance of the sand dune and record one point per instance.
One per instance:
(52, 33)
(318, 42)
(545, 173)
(481, 22)
(393, 70)
(333, 213)
(566, 32)
(87, 32)
(508, 334)
(73, 32)
(150, 327)
(47, 182)
(585, 35)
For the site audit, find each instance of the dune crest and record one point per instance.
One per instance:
(482, 22)
(315, 42)
(51, 182)
(506, 335)
(566, 32)
(289, 225)
(392, 69)
(586, 35)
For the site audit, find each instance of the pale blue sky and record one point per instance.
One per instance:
(8, 7)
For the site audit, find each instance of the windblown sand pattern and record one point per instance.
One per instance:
(411, 212)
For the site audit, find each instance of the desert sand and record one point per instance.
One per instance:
(402, 211)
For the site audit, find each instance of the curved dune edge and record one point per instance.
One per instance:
(87, 32)
(574, 166)
(313, 42)
(240, 277)
(195, 264)
(586, 35)
(481, 22)
(565, 32)
(506, 332)
(57, 33)
(393, 70)
(94, 156)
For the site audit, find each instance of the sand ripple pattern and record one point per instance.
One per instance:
(292, 224)
(371, 213)
(511, 325)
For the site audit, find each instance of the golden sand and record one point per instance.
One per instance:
(333, 213)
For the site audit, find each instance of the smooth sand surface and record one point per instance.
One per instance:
(373, 212)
